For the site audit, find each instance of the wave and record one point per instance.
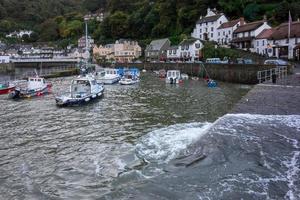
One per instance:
(165, 144)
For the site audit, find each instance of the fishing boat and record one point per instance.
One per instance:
(6, 88)
(173, 77)
(129, 79)
(36, 86)
(107, 76)
(82, 90)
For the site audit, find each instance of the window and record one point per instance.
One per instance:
(211, 35)
(170, 52)
(187, 47)
(206, 23)
(212, 28)
(229, 32)
(174, 51)
(200, 30)
(263, 43)
(218, 33)
(257, 43)
(220, 22)
(223, 32)
(205, 29)
(296, 40)
(287, 40)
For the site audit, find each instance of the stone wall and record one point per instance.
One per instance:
(234, 73)
(7, 68)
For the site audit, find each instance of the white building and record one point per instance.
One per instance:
(244, 36)
(173, 53)
(225, 31)
(206, 27)
(190, 50)
(4, 59)
(262, 44)
(284, 47)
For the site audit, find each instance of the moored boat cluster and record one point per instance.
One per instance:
(87, 87)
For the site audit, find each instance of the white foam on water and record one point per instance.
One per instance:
(292, 173)
(165, 144)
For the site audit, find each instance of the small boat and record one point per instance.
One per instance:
(211, 83)
(129, 79)
(36, 86)
(184, 76)
(6, 88)
(107, 76)
(162, 73)
(82, 90)
(173, 77)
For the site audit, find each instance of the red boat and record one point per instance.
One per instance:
(6, 88)
(162, 73)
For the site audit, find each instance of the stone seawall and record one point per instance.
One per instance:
(7, 68)
(233, 73)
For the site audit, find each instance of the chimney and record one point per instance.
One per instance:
(242, 19)
(208, 10)
(265, 18)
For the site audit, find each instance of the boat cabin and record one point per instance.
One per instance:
(173, 74)
(111, 71)
(81, 87)
(36, 83)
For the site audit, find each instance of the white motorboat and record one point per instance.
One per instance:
(129, 79)
(82, 90)
(173, 77)
(107, 76)
(34, 86)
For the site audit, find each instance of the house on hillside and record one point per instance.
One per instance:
(225, 30)
(157, 50)
(244, 36)
(261, 43)
(190, 50)
(173, 53)
(126, 51)
(284, 47)
(206, 27)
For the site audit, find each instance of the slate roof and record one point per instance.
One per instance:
(231, 23)
(265, 34)
(281, 32)
(249, 27)
(188, 41)
(209, 19)
(156, 45)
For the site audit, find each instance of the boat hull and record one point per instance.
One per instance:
(7, 90)
(78, 101)
(21, 94)
(126, 82)
(108, 81)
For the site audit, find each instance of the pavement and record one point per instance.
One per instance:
(282, 98)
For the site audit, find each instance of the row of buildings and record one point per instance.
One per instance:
(123, 51)
(257, 37)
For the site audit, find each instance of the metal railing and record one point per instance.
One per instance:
(272, 75)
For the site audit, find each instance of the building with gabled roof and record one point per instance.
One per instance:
(283, 46)
(262, 45)
(225, 30)
(206, 27)
(244, 36)
(157, 50)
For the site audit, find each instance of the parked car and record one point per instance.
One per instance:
(244, 61)
(276, 62)
(213, 60)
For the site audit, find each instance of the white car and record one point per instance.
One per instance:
(277, 62)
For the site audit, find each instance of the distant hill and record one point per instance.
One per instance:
(62, 20)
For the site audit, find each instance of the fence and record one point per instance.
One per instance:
(273, 75)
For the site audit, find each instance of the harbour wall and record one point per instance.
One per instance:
(233, 73)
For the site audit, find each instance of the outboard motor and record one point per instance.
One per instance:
(171, 80)
(14, 94)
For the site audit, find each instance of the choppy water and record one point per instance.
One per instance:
(148, 141)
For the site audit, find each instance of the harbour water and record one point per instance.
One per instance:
(146, 142)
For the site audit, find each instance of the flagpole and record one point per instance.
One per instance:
(289, 33)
